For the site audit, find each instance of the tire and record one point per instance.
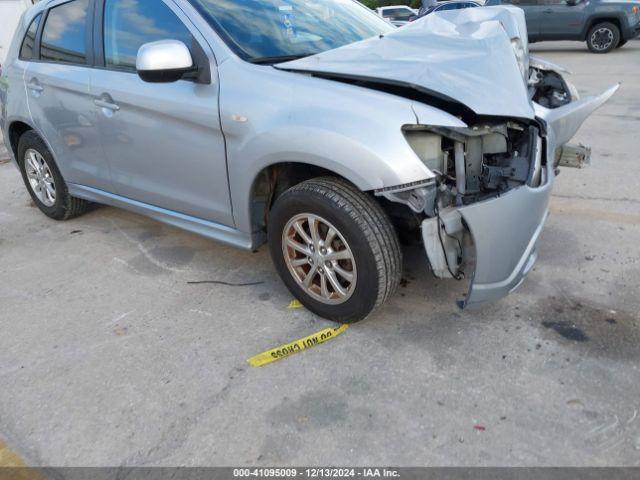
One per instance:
(50, 193)
(603, 37)
(621, 43)
(364, 234)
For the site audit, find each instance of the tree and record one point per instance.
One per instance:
(373, 4)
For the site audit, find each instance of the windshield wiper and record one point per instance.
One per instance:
(278, 58)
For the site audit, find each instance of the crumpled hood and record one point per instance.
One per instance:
(464, 55)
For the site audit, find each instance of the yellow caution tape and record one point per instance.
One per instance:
(295, 304)
(294, 347)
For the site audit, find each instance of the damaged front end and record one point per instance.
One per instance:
(483, 213)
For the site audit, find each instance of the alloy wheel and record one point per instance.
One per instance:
(40, 177)
(319, 258)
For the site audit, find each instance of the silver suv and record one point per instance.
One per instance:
(314, 126)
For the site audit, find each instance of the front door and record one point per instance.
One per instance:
(562, 20)
(163, 141)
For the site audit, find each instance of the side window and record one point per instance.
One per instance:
(128, 25)
(26, 50)
(65, 32)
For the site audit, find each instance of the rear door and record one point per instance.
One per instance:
(163, 141)
(57, 81)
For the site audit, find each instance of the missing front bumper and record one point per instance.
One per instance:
(504, 232)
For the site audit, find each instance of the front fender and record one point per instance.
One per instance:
(564, 122)
(352, 131)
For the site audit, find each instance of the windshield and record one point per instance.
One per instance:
(264, 31)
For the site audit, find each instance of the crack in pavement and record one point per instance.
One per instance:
(177, 433)
(599, 199)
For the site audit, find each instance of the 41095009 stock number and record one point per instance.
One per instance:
(266, 472)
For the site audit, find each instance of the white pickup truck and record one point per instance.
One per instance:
(397, 14)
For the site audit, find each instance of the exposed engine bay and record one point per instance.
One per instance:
(549, 89)
(471, 164)
(479, 162)
(474, 164)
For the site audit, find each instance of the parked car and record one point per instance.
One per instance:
(321, 130)
(399, 15)
(604, 24)
(448, 5)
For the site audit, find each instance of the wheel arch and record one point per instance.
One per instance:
(274, 179)
(16, 129)
(591, 22)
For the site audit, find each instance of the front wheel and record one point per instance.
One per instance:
(603, 37)
(334, 248)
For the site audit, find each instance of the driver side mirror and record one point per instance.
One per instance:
(164, 61)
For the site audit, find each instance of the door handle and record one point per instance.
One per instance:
(548, 10)
(104, 104)
(34, 86)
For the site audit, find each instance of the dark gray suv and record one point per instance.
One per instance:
(603, 24)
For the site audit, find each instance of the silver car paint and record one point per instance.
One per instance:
(164, 55)
(294, 117)
(14, 106)
(506, 250)
(62, 109)
(565, 121)
(465, 55)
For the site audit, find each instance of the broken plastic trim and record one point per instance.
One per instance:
(550, 89)
(573, 156)
(527, 157)
(416, 195)
(405, 186)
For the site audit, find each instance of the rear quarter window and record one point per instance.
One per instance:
(28, 43)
